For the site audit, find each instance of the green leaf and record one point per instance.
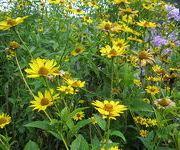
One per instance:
(39, 124)
(31, 146)
(95, 143)
(101, 122)
(79, 143)
(119, 134)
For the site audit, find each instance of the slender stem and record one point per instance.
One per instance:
(47, 115)
(24, 77)
(16, 31)
(107, 132)
(64, 141)
(5, 146)
(112, 77)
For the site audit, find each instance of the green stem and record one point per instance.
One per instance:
(27, 48)
(107, 132)
(112, 77)
(24, 77)
(47, 115)
(64, 141)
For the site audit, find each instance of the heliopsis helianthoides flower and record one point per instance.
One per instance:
(120, 43)
(128, 19)
(121, 1)
(147, 122)
(144, 58)
(42, 101)
(146, 100)
(143, 133)
(149, 6)
(10, 22)
(93, 119)
(77, 11)
(146, 24)
(42, 67)
(152, 90)
(77, 51)
(154, 79)
(75, 83)
(111, 148)
(4, 120)
(157, 69)
(105, 25)
(54, 1)
(13, 45)
(111, 51)
(67, 89)
(164, 103)
(109, 109)
(93, 4)
(137, 82)
(79, 116)
(127, 11)
(87, 19)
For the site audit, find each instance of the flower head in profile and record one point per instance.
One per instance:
(87, 19)
(121, 1)
(146, 24)
(109, 109)
(67, 89)
(4, 120)
(79, 116)
(152, 90)
(105, 25)
(112, 148)
(75, 83)
(42, 101)
(112, 51)
(54, 1)
(164, 103)
(10, 22)
(42, 67)
(77, 51)
(13, 45)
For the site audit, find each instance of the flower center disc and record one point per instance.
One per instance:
(108, 107)
(44, 101)
(43, 71)
(164, 102)
(3, 120)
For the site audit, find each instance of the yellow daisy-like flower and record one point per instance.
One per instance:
(120, 43)
(93, 4)
(42, 67)
(109, 109)
(54, 1)
(79, 116)
(87, 19)
(157, 69)
(105, 25)
(164, 103)
(146, 24)
(155, 79)
(143, 133)
(137, 82)
(152, 90)
(127, 11)
(66, 89)
(111, 51)
(10, 22)
(13, 45)
(42, 101)
(112, 148)
(77, 51)
(121, 1)
(4, 120)
(75, 83)
(77, 11)
(93, 119)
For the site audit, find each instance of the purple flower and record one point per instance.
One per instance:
(158, 41)
(173, 12)
(166, 51)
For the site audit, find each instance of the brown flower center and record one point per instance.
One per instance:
(44, 101)
(78, 50)
(3, 120)
(107, 26)
(143, 55)
(11, 22)
(113, 52)
(108, 107)
(164, 102)
(43, 71)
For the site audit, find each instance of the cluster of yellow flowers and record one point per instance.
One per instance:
(145, 121)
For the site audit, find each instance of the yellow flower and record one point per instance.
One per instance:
(105, 25)
(112, 51)
(137, 82)
(87, 19)
(4, 120)
(147, 24)
(155, 79)
(152, 90)
(144, 57)
(79, 116)
(77, 51)
(174, 69)
(115, 91)
(13, 45)
(146, 100)
(127, 11)
(134, 39)
(42, 67)
(164, 103)
(81, 101)
(77, 11)
(145, 121)
(143, 133)
(75, 83)
(120, 43)
(54, 1)
(10, 22)
(109, 109)
(128, 19)
(121, 1)
(66, 89)
(94, 121)
(112, 148)
(157, 69)
(93, 4)
(42, 101)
